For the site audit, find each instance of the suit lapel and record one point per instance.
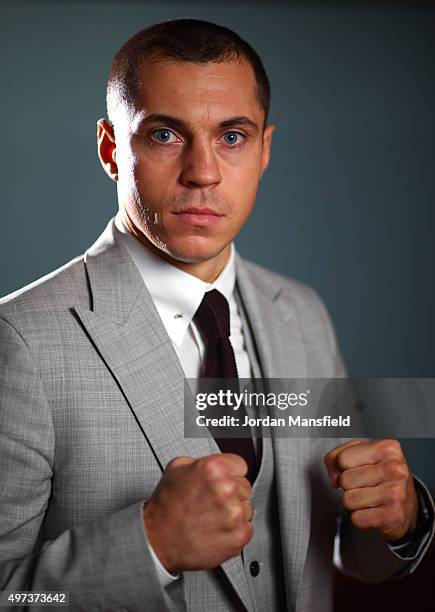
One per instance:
(127, 331)
(276, 329)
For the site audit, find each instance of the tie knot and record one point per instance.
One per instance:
(213, 316)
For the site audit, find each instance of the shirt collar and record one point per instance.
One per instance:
(176, 294)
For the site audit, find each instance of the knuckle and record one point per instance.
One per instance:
(234, 515)
(400, 470)
(248, 487)
(245, 493)
(342, 460)
(242, 534)
(344, 479)
(248, 511)
(210, 468)
(396, 494)
(391, 446)
(348, 499)
(173, 463)
(224, 489)
(239, 514)
(243, 464)
(390, 468)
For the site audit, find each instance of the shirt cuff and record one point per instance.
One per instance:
(164, 576)
(412, 543)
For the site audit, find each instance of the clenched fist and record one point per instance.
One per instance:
(378, 487)
(199, 514)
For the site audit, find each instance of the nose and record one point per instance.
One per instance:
(200, 166)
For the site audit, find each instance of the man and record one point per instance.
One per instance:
(102, 496)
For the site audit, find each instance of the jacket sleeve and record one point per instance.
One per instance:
(366, 555)
(369, 558)
(104, 565)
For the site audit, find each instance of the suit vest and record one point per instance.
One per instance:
(262, 556)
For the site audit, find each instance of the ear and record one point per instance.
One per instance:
(107, 148)
(267, 144)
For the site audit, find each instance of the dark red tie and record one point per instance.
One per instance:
(213, 321)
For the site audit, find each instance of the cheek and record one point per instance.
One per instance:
(145, 168)
(127, 168)
(241, 184)
(151, 183)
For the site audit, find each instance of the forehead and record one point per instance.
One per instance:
(197, 92)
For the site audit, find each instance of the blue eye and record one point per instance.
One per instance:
(231, 138)
(163, 135)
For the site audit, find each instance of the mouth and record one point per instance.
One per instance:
(198, 216)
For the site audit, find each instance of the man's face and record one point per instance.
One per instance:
(189, 157)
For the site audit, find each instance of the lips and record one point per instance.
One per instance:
(192, 210)
(198, 216)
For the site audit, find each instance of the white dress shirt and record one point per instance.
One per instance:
(177, 296)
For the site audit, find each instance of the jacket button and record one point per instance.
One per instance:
(254, 568)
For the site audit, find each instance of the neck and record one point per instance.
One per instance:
(207, 271)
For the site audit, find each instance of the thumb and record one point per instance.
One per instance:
(179, 461)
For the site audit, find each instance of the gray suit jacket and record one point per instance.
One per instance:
(91, 411)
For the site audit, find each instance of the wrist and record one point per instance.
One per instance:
(155, 543)
(417, 527)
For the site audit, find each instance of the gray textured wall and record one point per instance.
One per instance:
(347, 203)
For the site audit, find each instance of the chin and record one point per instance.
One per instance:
(197, 251)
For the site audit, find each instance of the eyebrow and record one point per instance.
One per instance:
(179, 124)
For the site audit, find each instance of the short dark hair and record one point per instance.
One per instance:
(184, 40)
